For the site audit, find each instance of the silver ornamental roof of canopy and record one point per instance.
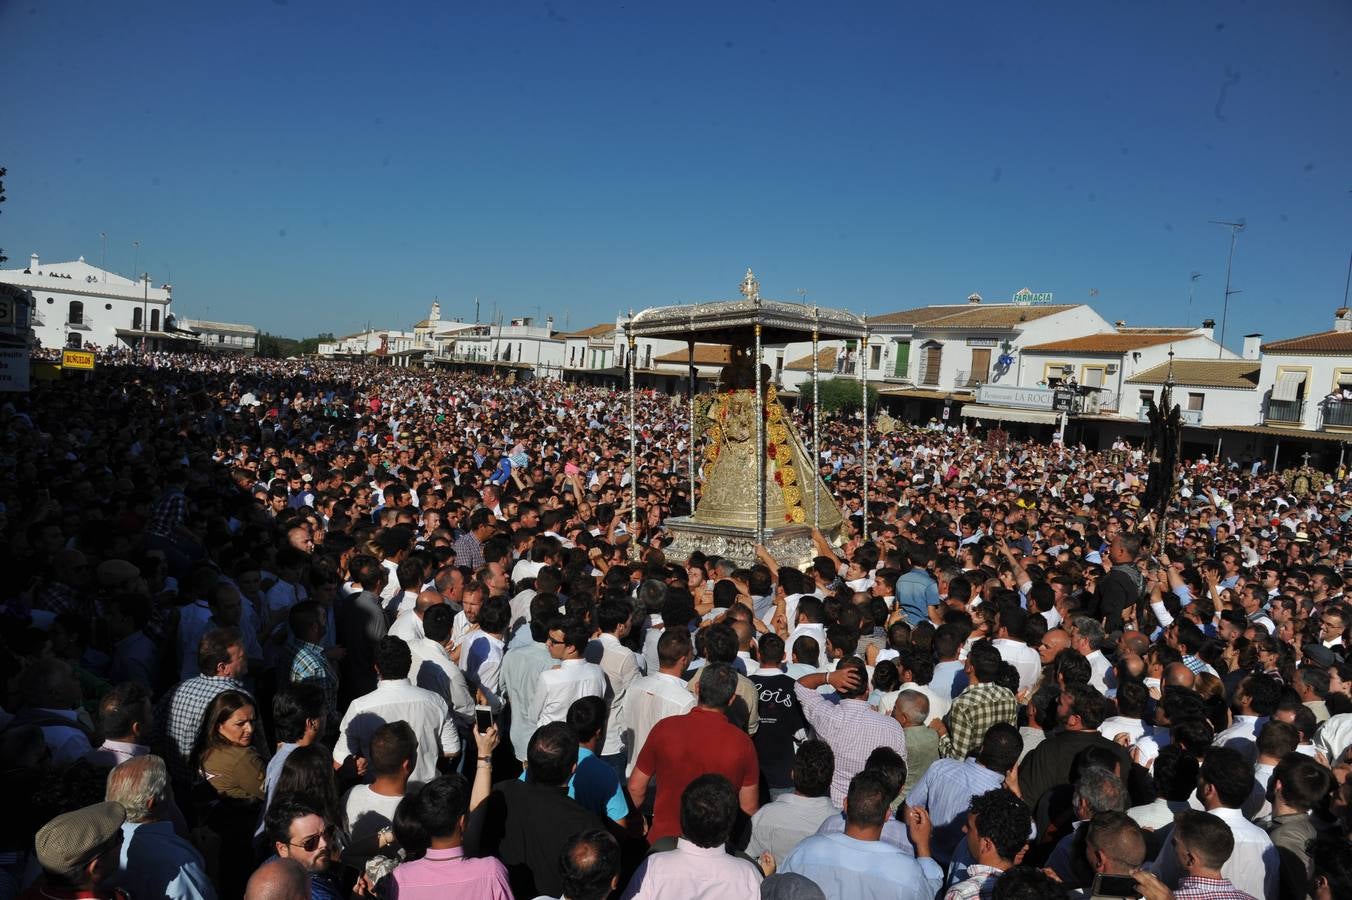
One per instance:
(731, 321)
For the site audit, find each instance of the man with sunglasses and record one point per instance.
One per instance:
(299, 833)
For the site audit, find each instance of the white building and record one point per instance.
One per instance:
(223, 337)
(76, 304)
(519, 344)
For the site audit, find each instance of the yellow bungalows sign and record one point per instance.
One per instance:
(77, 359)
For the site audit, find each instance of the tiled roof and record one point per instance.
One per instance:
(1154, 329)
(1104, 342)
(826, 360)
(971, 315)
(1217, 373)
(595, 331)
(1322, 342)
(705, 355)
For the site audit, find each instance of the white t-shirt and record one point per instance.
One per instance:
(365, 813)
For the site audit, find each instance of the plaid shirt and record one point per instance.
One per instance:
(180, 716)
(972, 714)
(169, 513)
(1195, 887)
(308, 663)
(980, 883)
(468, 551)
(1195, 665)
(61, 598)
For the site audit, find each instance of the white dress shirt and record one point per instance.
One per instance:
(1251, 868)
(1101, 675)
(1023, 658)
(481, 659)
(408, 627)
(434, 670)
(1242, 735)
(621, 668)
(393, 700)
(648, 701)
(558, 687)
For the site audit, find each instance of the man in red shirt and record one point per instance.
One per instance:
(680, 749)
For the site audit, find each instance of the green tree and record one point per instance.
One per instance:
(840, 395)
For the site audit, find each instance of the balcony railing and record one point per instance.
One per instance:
(1291, 412)
(1337, 414)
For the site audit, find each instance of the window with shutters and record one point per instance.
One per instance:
(931, 358)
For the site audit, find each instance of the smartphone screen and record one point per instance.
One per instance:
(1115, 886)
(483, 718)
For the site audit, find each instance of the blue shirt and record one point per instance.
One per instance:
(847, 868)
(946, 790)
(916, 593)
(156, 862)
(595, 786)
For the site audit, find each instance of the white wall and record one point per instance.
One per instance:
(109, 301)
(1320, 381)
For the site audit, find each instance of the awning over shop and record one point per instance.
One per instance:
(1295, 434)
(1288, 386)
(1010, 414)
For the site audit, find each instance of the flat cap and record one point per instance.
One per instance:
(72, 839)
(116, 571)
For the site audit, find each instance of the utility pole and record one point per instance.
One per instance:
(1235, 229)
(136, 255)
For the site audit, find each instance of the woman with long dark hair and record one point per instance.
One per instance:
(225, 755)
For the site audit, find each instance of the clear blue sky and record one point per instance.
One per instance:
(309, 166)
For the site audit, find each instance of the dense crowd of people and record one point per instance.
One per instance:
(286, 629)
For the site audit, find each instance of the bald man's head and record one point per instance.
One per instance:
(426, 600)
(280, 879)
(1053, 642)
(1179, 675)
(1134, 642)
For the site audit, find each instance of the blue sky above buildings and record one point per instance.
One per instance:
(309, 166)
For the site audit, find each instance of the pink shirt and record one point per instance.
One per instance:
(472, 879)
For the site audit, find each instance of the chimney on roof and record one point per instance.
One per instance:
(974, 298)
(1342, 319)
(1209, 327)
(549, 324)
(1120, 323)
(33, 263)
(1252, 343)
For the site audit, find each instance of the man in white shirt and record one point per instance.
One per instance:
(397, 699)
(574, 677)
(917, 671)
(435, 671)
(1225, 782)
(467, 620)
(621, 668)
(1014, 650)
(1255, 701)
(664, 693)
(1086, 636)
(408, 627)
(481, 653)
(368, 809)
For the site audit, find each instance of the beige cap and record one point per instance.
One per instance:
(116, 571)
(73, 839)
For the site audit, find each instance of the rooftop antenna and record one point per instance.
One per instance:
(1235, 229)
(1191, 289)
(103, 258)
